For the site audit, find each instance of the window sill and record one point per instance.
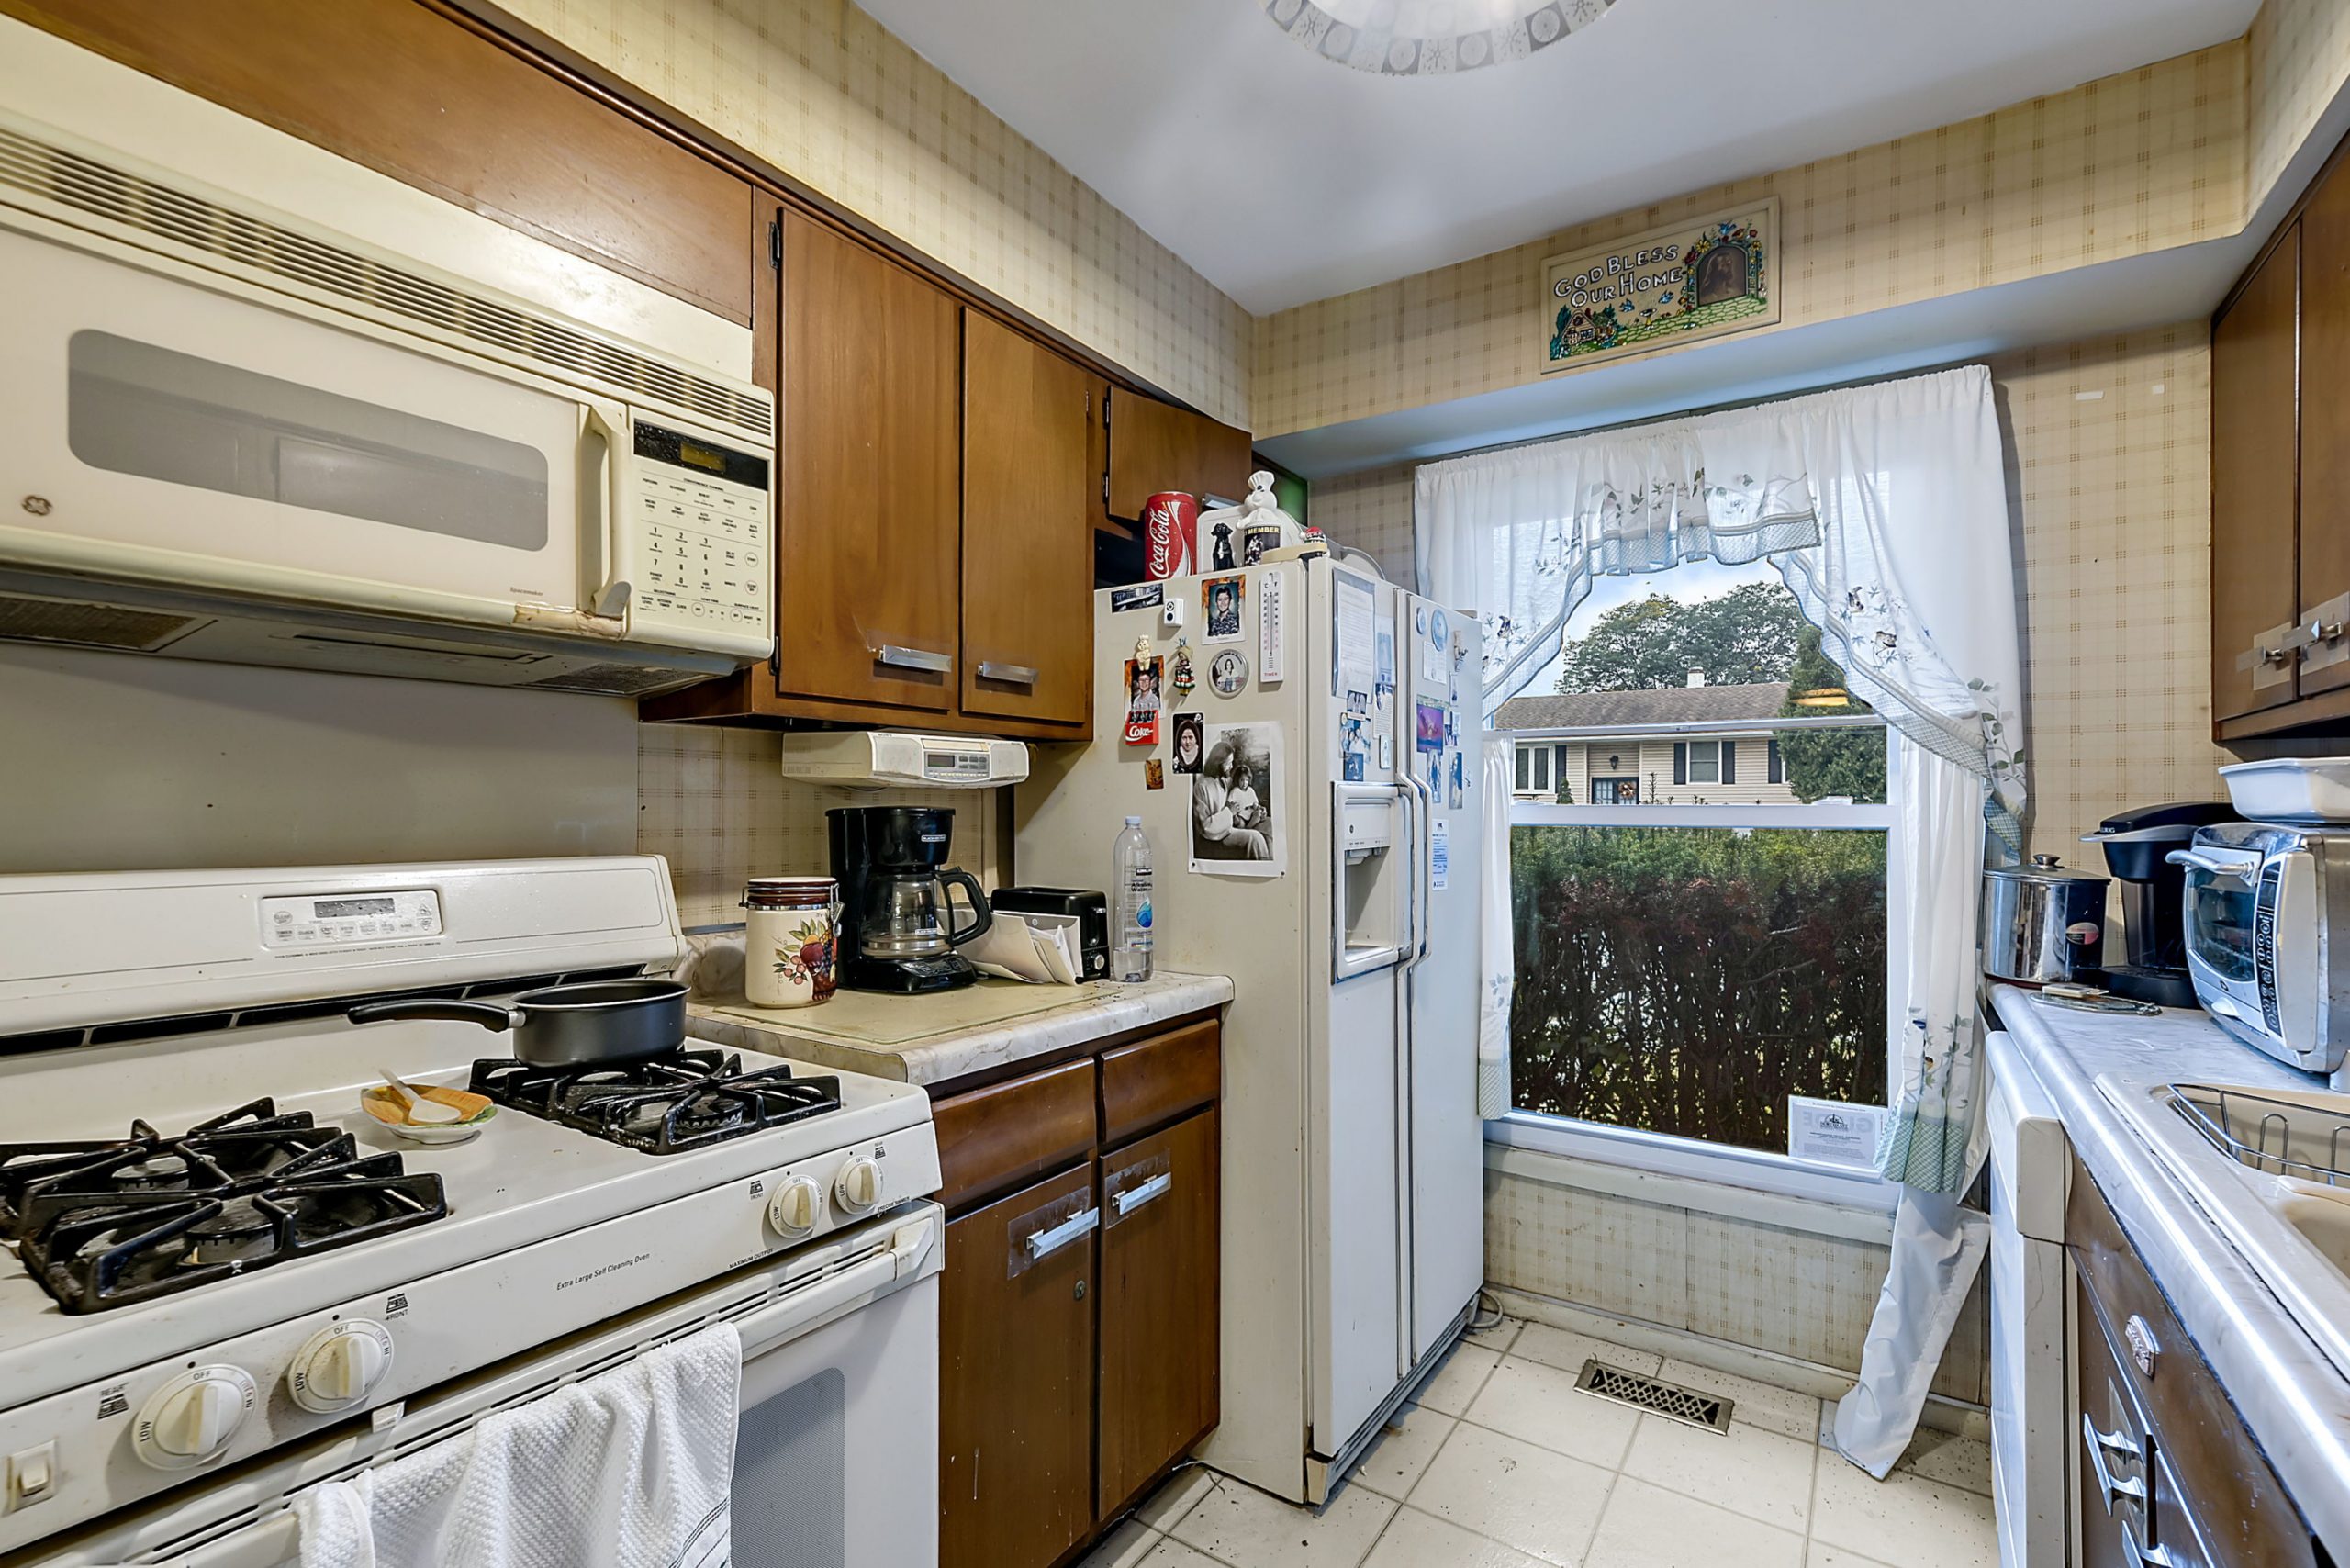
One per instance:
(1746, 1184)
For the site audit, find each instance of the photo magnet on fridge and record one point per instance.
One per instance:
(1238, 829)
(1142, 701)
(1191, 745)
(1146, 596)
(1428, 727)
(1221, 602)
(1154, 774)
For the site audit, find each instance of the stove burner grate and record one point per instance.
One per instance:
(661, 1107)
(106, 1223)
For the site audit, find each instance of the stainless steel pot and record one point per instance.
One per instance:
(2043, 923)
(585, 1025)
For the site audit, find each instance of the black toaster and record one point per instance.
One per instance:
(1093, 912)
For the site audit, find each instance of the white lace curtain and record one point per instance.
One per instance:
(1884, 508)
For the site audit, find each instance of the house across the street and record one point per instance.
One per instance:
(1612, 748)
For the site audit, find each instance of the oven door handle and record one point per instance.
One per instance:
(803, 1308)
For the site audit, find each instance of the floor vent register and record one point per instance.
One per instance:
(1710, 1411)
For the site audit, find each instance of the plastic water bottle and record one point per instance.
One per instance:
(1130, 916)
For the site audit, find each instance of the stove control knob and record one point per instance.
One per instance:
(797, 1206)
(858, 1188)
(339, 1365)
(190, 1420)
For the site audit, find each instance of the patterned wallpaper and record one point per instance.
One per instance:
(2109, 449)
(2300, 55)
(2123, 166)
(1371, 510)
(821, 90)
(714, 801)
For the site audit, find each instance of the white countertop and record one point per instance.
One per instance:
(2293, 1400)
(954, 1033)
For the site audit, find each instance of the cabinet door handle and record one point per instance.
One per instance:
(897, 658)
(1044, 1243)
(1011, 674)
(2126, 1490)
(2143, 1556)
(1136, 1196)
(2274, 655)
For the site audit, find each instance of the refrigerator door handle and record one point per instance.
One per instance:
(1422, 874)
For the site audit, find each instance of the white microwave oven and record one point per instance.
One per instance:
(239, 434)
(2267, 912)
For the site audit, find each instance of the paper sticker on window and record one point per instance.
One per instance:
(1832, 1132)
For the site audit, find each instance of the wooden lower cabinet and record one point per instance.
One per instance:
(1015, 1367)
(1078, 1331)
(2166, 1472)
(1160, 1284)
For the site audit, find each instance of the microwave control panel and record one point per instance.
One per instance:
(702, 512)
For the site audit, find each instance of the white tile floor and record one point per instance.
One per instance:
(1503, 1464)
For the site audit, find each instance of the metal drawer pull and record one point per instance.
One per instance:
(1011, 674)
(1134, 1197)
(2144, 1556)
(1044, 1243)
(2274, 655)
(2128, 1490)
(895, 657)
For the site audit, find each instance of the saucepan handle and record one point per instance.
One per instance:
(488, 1015)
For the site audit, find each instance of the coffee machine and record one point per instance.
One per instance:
(2137, 851)
(898, 930)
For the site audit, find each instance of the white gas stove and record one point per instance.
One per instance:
(154, 1338)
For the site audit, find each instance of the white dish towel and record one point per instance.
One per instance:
(631, 1469)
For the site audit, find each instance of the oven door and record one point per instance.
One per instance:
(836, 1461)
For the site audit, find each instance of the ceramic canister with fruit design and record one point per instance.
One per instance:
(790, 924)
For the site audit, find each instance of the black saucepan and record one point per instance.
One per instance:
(584, 1025)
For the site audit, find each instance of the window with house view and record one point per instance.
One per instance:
(1699, 867)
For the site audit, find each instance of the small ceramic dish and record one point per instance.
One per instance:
(383, 1102)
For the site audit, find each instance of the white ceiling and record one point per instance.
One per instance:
(1283, 177)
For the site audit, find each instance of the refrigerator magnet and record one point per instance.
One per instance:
(1179, 674)
(1428, 727)
(1154, 774)
(1142, 596)
(1143, 703)
(1229, 674)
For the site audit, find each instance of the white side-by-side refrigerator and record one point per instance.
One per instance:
(1325, 858)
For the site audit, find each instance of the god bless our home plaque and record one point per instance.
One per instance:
(1677, 285)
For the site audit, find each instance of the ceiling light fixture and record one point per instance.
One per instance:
(1429, 37)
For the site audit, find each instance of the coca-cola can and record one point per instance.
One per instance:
(1170, 521)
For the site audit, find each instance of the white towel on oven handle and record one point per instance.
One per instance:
(631, 1469)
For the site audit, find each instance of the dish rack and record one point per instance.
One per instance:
(2277, 1138)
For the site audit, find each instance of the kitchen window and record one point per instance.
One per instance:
(1693, 953)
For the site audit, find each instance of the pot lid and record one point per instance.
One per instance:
(2044, 869)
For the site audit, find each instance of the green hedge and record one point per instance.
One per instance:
(1688, 979)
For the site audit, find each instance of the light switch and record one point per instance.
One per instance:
(32, 1476)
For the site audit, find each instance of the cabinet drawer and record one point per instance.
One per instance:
(1153, 1082)
(997, 1138)
(2217, 1473)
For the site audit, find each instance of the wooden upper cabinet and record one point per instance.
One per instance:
(2255, 362)
(2325, 598)
(1156, 446)
(1027, 528)
(425, 97)
(866, 553)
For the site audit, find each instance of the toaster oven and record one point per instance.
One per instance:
(2262, 905)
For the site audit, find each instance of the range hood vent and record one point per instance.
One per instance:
(90, 625)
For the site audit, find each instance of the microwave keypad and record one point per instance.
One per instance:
(703, 547)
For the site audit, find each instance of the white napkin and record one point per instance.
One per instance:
(631, 1469)
(1039, 949)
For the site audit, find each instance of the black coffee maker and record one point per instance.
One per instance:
(898, 930)
(2154, 892)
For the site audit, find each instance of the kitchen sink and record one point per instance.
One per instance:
(2271, 1168)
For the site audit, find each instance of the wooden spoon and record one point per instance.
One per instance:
(432, 1105)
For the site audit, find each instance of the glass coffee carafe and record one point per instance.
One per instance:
(899, 924)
